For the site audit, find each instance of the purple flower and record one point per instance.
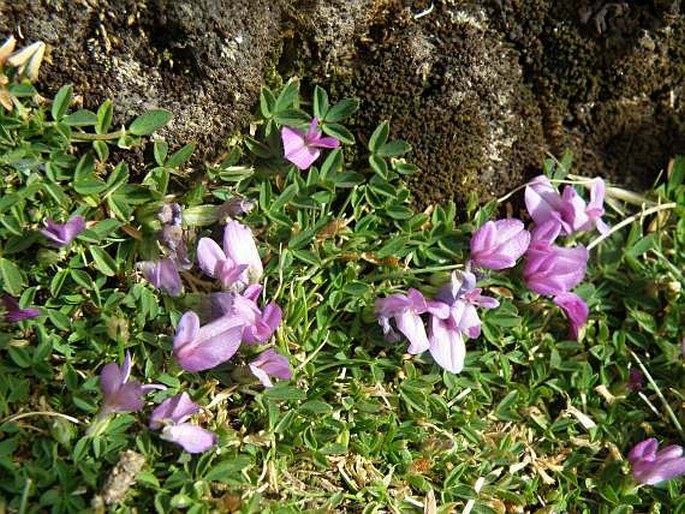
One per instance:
(119, 393)
(635, 380)
(651, 467)
(576, 311)
(498, 244)
(568, 210)
(199, 348)
(171, 416)
(14, 313)
(238, 263)
(553, 270)
(301, 148)
(163, 274)
(406, 312)
(63, 234)
(270, 363)
(258, 325)
(447, 335)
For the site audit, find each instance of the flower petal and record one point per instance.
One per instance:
(446, 345)
(191, 438)
(240, 246)
(176, 409)
(209, 256)
(214, 344)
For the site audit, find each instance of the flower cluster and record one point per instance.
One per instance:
(453, 314)
(554, 270)
(549, 269)
(235, 319)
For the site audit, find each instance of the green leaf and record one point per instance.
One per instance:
(339, 132)
(267, 101)
(332, 164)
(320, 102)
(226, 470)
(346, 179)
(101, 149)
(343, 109)
(85, 182)
(180, 156)
(393, 149)
(12, 278)
(258, 148)
(149, 121)
(61, 102)
(284, 198)
(293, 118)
(379, 137)
(285, 391)
(81, 118)
(103, 261)
(395, 247)
(105, 114)
(160, 149)
(379, 165)
(288, 96)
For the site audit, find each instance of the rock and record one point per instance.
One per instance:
(204, 60)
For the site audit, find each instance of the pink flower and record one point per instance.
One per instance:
(651, 467)
(553, 270)
(199, 348)
(498, 244)
(171, 416)
(119, 393)
(258, 325)
(406, 312)
(270, 363)
(301, 148)
(568, 210)
(236, 265)
(447, 335)
(163, 274)
(576, 311)
(62, 234)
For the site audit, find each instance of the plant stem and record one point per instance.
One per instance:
(669, 411)
(629, 220)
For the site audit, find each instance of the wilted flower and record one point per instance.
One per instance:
(553, 270)
(635, 380)
(406, 311)
(301, 148)
(569, 210)
(651, 467)
(14, 313)
(200, 348)
(171, 234)
(270, 363)
(238, 264)
(119, 393)
(163, 274)
(236, 206)
(27, 60)
(576, 311)
(498, 244)
(172, 415)
(62, 234)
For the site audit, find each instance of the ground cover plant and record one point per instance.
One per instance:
(280, 331)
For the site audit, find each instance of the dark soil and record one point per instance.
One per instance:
(203, 60)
